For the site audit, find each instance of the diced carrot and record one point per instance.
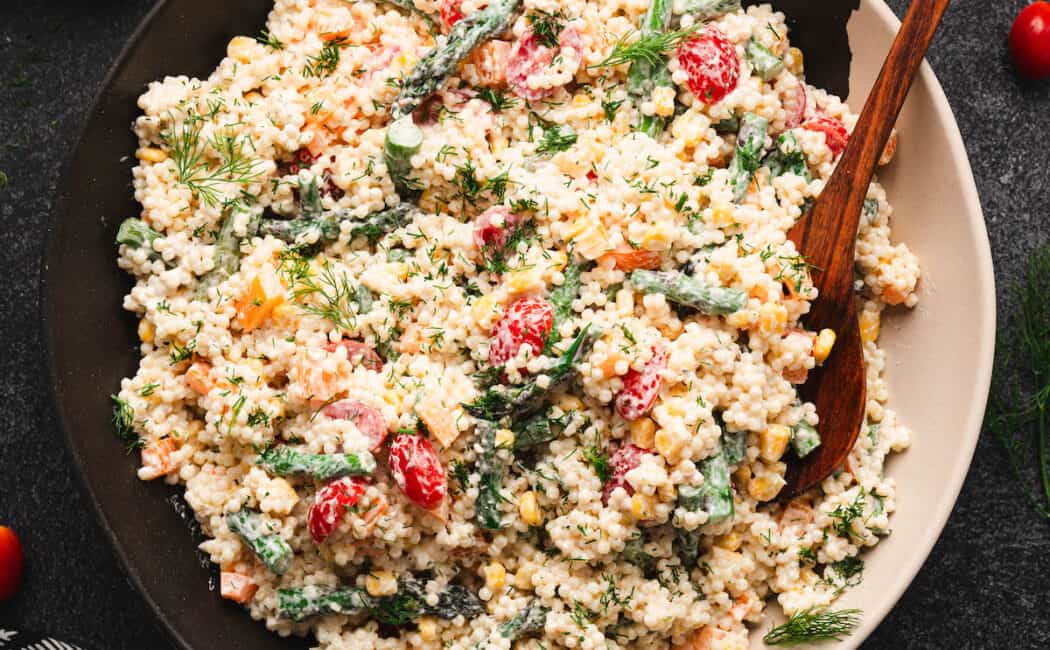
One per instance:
(741, 608)
(629, 259)
(236, 587)
(702, 639)
(198, 379)
(254, 307)
(156, 459)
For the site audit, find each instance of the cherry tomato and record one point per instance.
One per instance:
(640, 388)
(624, 460)
(835, 134)
(492, 230)
(451, 13)
(368, 421)
(794, 102)
(529, 320)
(11, 562)
(331, 503)
(417, 470)
(1030, 40)
(530, 57)
(710, 60)
(358, 353)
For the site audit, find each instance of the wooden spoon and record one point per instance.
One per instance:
(827, 236)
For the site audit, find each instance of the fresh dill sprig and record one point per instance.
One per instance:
(329, 296)
(556, 138)
(182, 353)
(845, 515)
(609, 108)
(596, 457)
(650, 48)
(1017, 412)
(546, 26)
(189, 152)
(124, 424)
(326, 61)
(498, 98)
(814, 624)
(269, 40)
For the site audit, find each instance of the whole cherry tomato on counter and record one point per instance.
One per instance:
(10, 563)
(1030, 40)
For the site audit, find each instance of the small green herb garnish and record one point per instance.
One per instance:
(326, 61)
(596, 457)
(180, 354)
(269, 40)
(609, 109)
(124, 424)
(556, 138)
(546, 26)
(148, 389)
(330, 296)
(498, 98)
(192, 169)
(650, 48)
(844, 516)
(814, 624)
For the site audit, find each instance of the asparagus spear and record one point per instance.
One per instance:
(310, 200)
(441, 62)
(534, 432)
(525, 399)
(644, 74)
(716, 493)
(228, 250)
(271, 550)
(787, 156)
(403, 140)
(804, 439)
(766, 64)
(326, 227)
(134, 233)
(530, 620)
(285, 461)
(688, 291)
(411, 7)
(303, 602)
(491, 468)
(711, 9)
(750, 141)
(561, 299)
(734, 446)
(634, 553)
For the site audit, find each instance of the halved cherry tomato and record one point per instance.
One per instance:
(640, 388)
(624, 460)
(529, 320)
(1030, 40)
(368, 421)
(835, 134)
(710, 60)
(358, 353)
(331, 503)
(11, 563)
(417, 470)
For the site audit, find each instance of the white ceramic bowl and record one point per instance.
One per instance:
(939, 355)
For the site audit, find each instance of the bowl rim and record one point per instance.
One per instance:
(985, 355)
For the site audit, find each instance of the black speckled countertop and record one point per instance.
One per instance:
(986, 584)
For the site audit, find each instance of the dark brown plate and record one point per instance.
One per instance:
(92, 340)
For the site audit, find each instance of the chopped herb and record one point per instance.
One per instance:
(546, 26)
(124, 424)
(269, 40)
(610, 108)
(814, 624)
(332, 296)
(187, 151)
(556, 138)
(844, 516)
(180, 354)
(650, 48)
(598, 459)
(325, 62)
(148, 389)
(498, 98)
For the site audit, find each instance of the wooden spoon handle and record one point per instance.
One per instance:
(829, 247)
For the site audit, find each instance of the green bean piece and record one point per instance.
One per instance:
(787, 157)
(285, 461)
(804, 439)
(525, 399)
(326, 228)
(711, 9)
(689, 291)
(766, 64)
(530, 620)
(301, 603)
(645, 75)
(228, 250)
(403, 140)
(134, 233)
(441, 62)
(750, 142)
(272, 551)
(491, 469)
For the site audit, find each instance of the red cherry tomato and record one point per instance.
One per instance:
(11, 561)
(331, 504)
(624, 460)
(451, 13)
(368, 421)
(529, 320)
(835, 134)
(794, 102)
(710, 60)
(1030, 40)
(358, 353)
(530, 56)
(417, 470)
(493, 228)
(640, 388)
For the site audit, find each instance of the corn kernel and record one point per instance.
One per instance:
(381, 583)
(765, 486)
(773, 442)
(241, 48)
(742, 319)
(658, 238)
(663, 100)
(795, 61)
(580, 100)
(668, 444)
(569, 403)
(643, 433)
(151, 154)
(721, 215)
(870, 324)
(486, 310)
(730, 541)
(772, 318)
(252, 97)
(495, 577)
(822, 346)
(505, 438)
(591, 239)
(523, 576)
(643, 506)
(529, 509)
(146, 331)
(525, 280)
(286, 311)
(742, 476)
(428, 628)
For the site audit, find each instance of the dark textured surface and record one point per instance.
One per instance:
(984, 586)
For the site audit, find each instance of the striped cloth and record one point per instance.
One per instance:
(18, 640)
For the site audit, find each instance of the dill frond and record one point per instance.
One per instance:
(189, 151)
(814, 624)
(649, 48)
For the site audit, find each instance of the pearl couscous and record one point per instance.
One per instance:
(477, 326)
